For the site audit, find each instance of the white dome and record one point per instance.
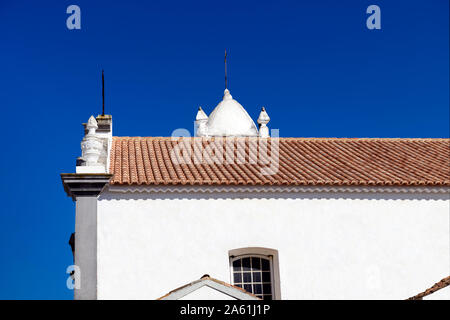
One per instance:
(229, 118)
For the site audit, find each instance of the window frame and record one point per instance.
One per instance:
(265, 253)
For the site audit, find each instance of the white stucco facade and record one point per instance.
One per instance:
(335, 244)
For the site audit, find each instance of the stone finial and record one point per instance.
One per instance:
(91, 146)
(91, 125)
(200, 120)
(263, 120)
(201, 115)
(227, 95)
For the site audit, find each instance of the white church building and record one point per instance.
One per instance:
(236, 212)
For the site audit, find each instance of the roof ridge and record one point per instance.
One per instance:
(293, 138)
(437, 286)
(203, 279)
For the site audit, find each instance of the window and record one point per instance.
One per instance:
(253, 274)
(256, 271)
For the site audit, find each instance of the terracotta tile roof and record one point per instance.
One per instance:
(437, 286)
(302, 161)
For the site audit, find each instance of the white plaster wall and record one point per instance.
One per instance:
(331, 246)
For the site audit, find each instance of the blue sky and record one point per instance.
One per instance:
(313, 64)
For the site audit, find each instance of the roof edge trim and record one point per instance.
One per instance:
(274, 189)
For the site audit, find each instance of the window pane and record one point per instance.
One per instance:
(266, 276)
(237, 265)
(256, 276)
(253, 274)
(256, 263)
(257, 289)
(265, 265)
(246, 264)
(267, 289)
(260, 297)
